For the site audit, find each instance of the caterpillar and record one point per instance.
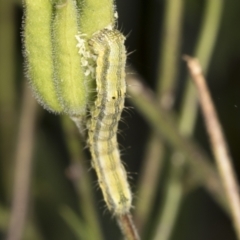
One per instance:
(108, 46)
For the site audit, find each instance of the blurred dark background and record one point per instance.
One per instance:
(200, 218)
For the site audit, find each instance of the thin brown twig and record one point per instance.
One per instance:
(164, 124)
(218, 143)
(127, 226)
(23, 159)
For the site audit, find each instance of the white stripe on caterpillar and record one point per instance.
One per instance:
(109, 47)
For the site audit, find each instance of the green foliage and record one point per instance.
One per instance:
(38, 52)
(52, 60)
(69, 75)
(64, 201)
(95, 15)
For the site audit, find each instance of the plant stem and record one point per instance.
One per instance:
(25, 143)
(81, 179)
(164, 124)
(204, 50)
(168, 68)
(218, 143)
(8, 113)
(172, 202)
(127, 226)
(210, 26)
(148, 182)
(205, 46)
(75, 223)
(31, 230)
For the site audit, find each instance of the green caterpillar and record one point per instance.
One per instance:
(58, 76)
(109, 47)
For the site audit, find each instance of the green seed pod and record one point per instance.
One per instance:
(101, 14)
(69, 75)
(38, 52)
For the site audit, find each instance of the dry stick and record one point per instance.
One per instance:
(23, 166)
(204, 48)
(219, 146)
(31, 229)
(187, 119)
(164, 124)
(208, 32)
(127, 226)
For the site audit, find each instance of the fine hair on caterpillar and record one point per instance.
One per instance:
(108, 46)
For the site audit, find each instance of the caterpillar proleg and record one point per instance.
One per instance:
(109, 47)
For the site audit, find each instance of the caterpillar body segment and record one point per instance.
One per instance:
(109, 47)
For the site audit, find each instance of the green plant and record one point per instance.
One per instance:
(54, 195)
